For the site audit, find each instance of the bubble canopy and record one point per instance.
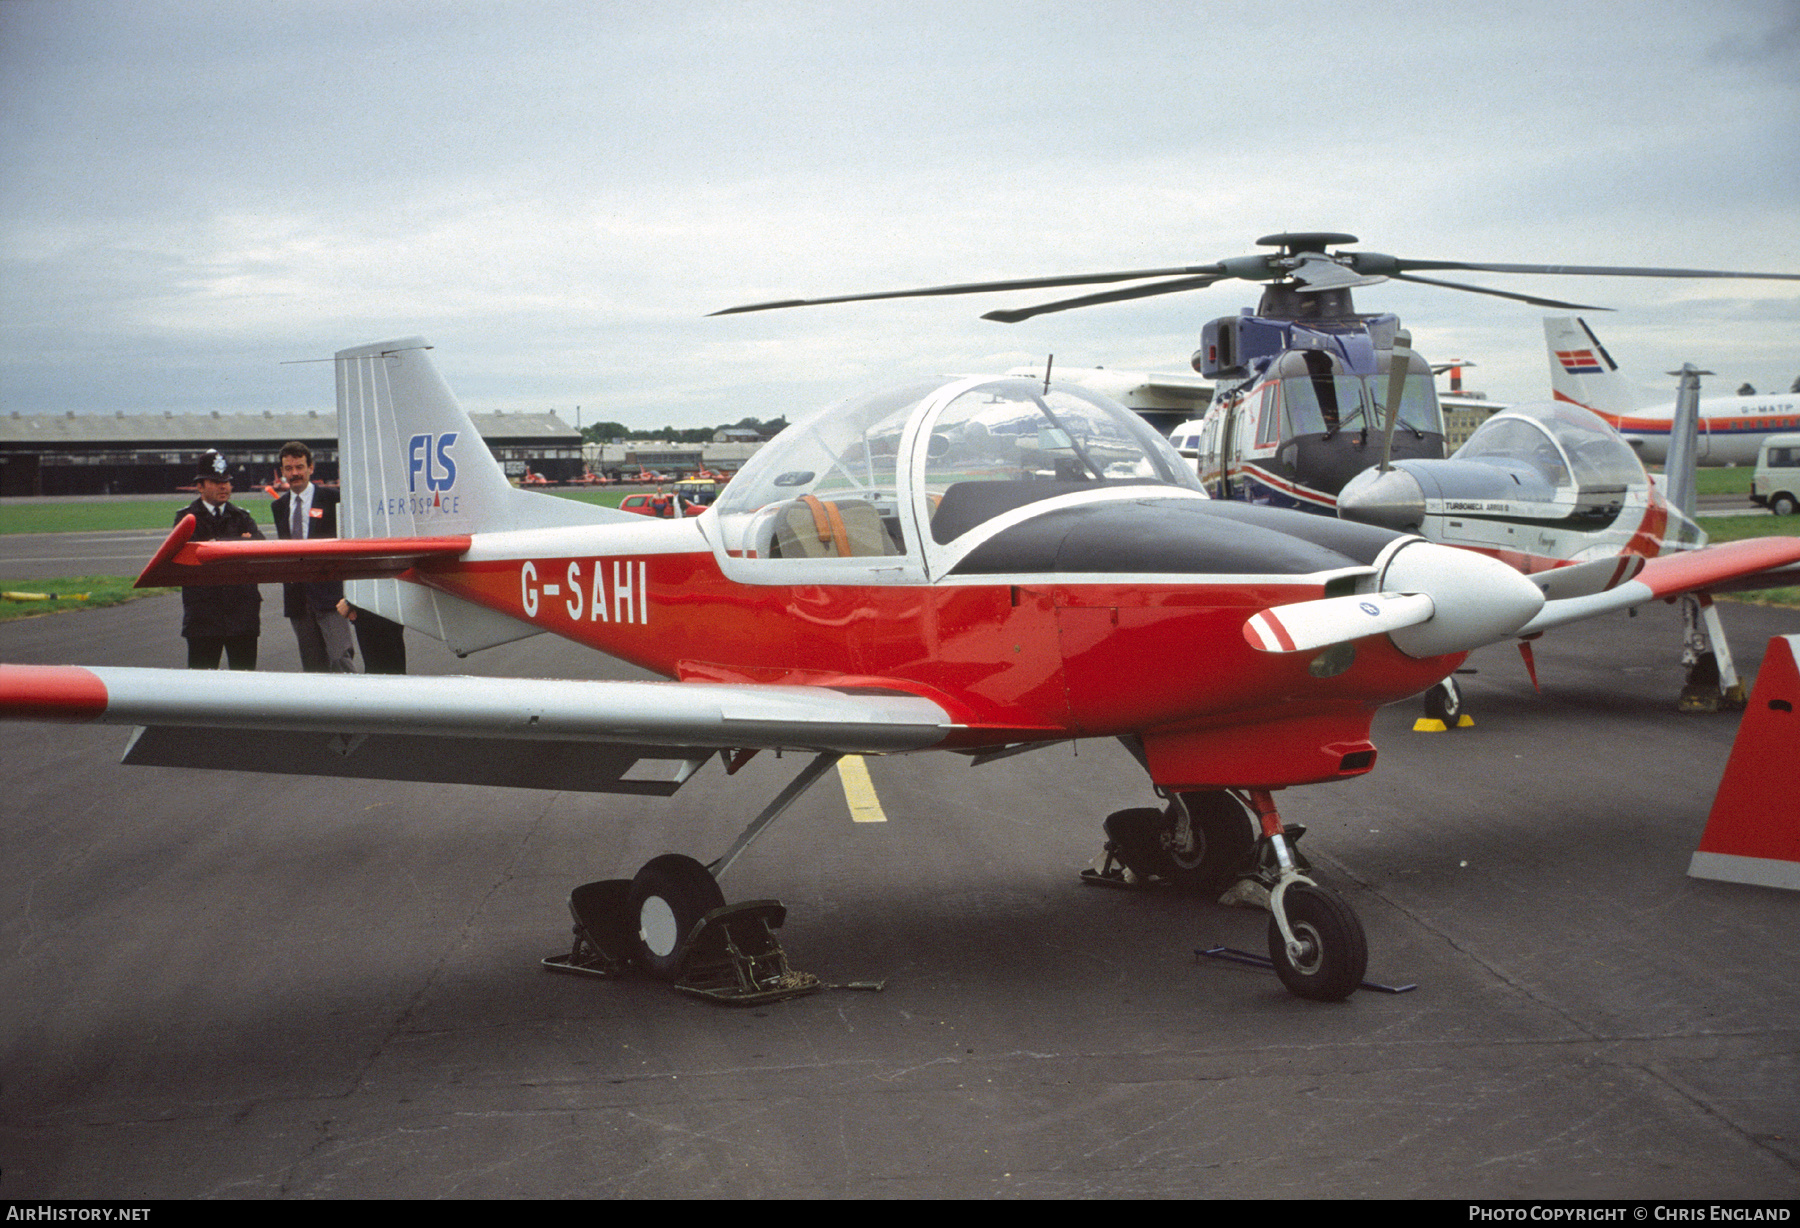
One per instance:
(1566, 444)
(903, 472)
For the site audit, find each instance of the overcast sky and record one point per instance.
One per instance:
(555, 195)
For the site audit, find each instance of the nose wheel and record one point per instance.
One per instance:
(1444, 702)
(1323, 954)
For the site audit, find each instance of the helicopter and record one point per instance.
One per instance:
(1304, 379)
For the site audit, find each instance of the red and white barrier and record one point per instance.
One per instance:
(1753, 832)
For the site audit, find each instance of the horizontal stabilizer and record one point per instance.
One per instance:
(180, 562)
(1306, 625)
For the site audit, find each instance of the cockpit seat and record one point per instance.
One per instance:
(814, 528)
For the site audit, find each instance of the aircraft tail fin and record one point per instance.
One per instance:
(413, 465)
(1684, 441)
(1582, 372)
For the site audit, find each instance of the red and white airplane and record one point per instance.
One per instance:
(1552, 489)
(1730, 430)
(981, 566)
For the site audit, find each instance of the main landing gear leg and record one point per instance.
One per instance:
(1315, 940)
(1712, 680)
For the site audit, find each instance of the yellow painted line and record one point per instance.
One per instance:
(859, 790)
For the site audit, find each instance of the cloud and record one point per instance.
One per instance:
(557, 193)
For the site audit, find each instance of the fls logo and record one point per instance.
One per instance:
(434, 463)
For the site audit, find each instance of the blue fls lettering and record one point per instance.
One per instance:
(437, 466)
(444, 463)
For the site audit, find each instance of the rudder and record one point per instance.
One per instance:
(412, 464)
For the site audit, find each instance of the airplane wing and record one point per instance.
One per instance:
(614, 737)
(1757, 562)
(180, 561)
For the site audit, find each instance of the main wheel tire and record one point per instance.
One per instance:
(668, 897)
(1443, 702)
(1136, 841)
(1222, 840)
(1335, 954)
(1783, 505)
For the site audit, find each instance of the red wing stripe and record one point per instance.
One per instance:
(1672, 574)
(50, 693)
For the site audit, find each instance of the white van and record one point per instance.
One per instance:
(1776, 482)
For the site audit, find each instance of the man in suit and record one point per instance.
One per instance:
(308, 511)
(219, 620)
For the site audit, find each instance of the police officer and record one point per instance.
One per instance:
(219, 620)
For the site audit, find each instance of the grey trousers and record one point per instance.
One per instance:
(325, 644)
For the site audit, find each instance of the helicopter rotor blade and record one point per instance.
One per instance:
(1014, 315)
(1533, 299)
(1588, 270)
(980, 287)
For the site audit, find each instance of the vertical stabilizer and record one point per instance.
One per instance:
(1582, 372)
(1684, 440)
(413, 465)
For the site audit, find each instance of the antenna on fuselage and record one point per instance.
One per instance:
(1048, 363)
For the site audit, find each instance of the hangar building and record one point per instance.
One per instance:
(97, 454)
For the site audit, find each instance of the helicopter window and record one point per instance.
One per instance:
(1319, 404)
(1006, 443)
(1419, 410)
(1268, 429)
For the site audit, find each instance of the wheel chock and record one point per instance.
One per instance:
(602, 946)
(1753, 831)
(1235, 956)
(1426, 724)
(732, 957)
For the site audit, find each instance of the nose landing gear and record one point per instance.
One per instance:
(1206, 841)
(1315, 940)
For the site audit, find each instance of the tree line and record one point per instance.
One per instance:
(609, 432)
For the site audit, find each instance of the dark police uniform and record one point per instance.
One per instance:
(221, 619)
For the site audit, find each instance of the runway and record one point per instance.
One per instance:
(35, 556)
(219, 985)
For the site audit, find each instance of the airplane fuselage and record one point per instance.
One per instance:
(1731, 429)
(1013, 655)
(1539, 486)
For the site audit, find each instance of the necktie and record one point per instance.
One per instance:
(298, 530)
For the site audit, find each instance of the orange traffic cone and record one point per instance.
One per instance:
(1753, 832)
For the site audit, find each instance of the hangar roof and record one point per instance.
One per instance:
(77, 431)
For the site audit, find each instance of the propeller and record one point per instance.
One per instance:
(1302, 262)
(1433, 600)
(1305, 625)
